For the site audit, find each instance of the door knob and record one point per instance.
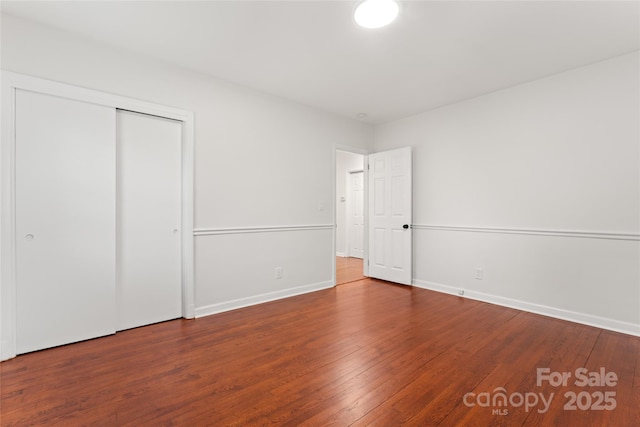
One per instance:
(29, 237)
(405, 226)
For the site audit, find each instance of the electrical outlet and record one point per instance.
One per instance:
(278, 272)
(479, 274)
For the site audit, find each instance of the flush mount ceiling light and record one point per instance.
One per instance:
(376, 13)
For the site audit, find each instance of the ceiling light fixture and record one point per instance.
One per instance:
(376, 13)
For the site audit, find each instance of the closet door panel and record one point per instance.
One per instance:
(65, 220)
(149, 203)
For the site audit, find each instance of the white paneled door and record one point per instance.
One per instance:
(148, 206)
(356, 214)
(390, 213)
(65, 220)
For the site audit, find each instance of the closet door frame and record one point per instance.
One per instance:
(9, 84)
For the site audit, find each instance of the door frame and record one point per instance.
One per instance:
(10, 82)
(365, 154)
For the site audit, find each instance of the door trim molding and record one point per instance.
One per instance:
(10, 83)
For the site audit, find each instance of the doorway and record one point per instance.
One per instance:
(350, 207)
(387, 213)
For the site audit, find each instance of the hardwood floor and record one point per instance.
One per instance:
(348, 270)
(363, 353)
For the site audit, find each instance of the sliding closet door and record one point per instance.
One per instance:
(149, 201)
(65, 221)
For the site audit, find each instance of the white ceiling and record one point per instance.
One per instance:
(436, 53)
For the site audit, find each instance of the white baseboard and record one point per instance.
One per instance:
(572, 316)
(259, 299)
(340, 254)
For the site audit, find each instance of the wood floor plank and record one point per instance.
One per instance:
(348, 270)
(518, 355)
(365, 392)
(612, 352)
(363, 353)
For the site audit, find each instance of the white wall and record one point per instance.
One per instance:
(261, 161)
(556, 155)
(345, 162)
(553, 155)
